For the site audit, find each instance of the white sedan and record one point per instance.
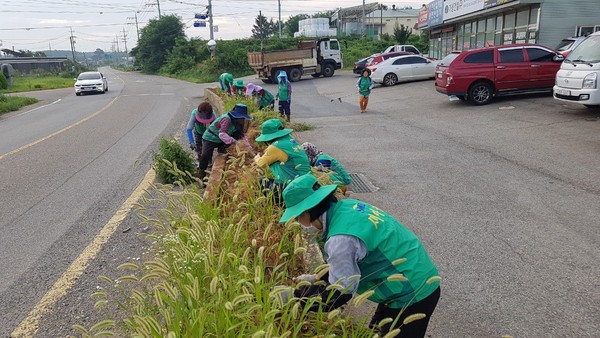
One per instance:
(403, 68)
(90, 82)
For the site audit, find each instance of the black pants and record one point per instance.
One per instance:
(208, 148)
(198, 144)
(284, 107)
(268, 184)
(415, 329)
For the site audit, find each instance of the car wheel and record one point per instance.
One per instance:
(390, 79)
(481, 93)
(106, 89)
(295, 74)
(328, 70)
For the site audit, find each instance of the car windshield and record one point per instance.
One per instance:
(587, 51)
(89, 76)
(448, 59)
(564, 45)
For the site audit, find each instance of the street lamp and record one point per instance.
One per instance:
(212, 46)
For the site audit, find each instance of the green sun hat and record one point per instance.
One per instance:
(239, 83)
(302, 194)
(272, 129)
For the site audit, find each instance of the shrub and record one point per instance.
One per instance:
(3, 81)
(172, 163)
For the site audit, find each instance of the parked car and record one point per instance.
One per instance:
(360, 65)
(480, 74)
(577, 79)
(566, 45)
(402, 48)
(403, 68)
(90, 82)
(382, 57)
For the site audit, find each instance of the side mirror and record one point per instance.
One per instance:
(558, 58)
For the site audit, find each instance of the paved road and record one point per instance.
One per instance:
(506, 198)
(55, 195)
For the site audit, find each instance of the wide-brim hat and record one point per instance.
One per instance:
(303, 194)
(272, 129)
(240, 111)
(239, 83)
(205, 117)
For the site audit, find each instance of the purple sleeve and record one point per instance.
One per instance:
(223, 129)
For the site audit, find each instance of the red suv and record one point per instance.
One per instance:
(382, 57)
(480, 74)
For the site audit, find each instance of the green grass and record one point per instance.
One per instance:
(32, 82)
(13, 103)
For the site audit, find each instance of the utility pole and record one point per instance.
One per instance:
(158, 5)
(210, 20)
(125, 41)
(279, 4)
(117, 40)
(380, 21)
(363, 18)
(261, 31)
(137, 29)
(72, 39)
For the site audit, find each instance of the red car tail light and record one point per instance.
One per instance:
(449, 79)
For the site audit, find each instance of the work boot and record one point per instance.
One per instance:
(201, 176)
(287, 117)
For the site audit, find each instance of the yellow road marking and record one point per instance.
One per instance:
(29, 325)
(60, 131)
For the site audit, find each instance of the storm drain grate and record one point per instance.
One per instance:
(360, 184)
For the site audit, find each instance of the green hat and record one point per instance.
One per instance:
(239, 83)
(272, 129)
(302, 194)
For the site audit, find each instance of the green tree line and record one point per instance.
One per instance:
(164, 49)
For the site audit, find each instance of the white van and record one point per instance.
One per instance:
(402, 48)
(578, 77)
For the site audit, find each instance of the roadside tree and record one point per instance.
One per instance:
(157, 39)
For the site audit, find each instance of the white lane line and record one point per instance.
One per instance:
(34, 109)
(29, 326)
(161, 94)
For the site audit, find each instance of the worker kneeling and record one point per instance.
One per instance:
(367, 251)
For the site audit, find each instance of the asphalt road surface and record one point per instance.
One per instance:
(505, 197)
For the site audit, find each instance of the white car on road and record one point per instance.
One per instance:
(403, 68)
(90, 82)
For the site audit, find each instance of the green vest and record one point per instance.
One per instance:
(212, 133)
(266, 99)
(363, 86)
(296, 165)
(386, 240)
(338, 174)
(199, 127)
(283, 91)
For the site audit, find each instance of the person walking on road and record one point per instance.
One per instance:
(328, 164)
(197, 125)
(224, 131)
(283, 156)
(265, 98)
(364, 85)
(284, 95)
(367, 250)
(226, 82)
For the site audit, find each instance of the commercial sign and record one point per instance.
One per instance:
(436, 13)
(492, 3)
(423, 17)
(456, 8)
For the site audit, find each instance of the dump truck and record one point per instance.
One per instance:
(311, 57)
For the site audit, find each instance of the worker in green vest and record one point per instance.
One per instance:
(367, 250)
(224, 131)
(327, 164)
(226, 82)
(264, 97)
(284, 156)
(364, 85)
(284, 95)
(197, 124)
(238, 88)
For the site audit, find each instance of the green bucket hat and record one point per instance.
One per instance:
(302, 194)
(239, 83)
(272, 129)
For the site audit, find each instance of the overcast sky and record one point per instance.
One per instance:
(43, 24)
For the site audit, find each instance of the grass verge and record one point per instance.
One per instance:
(32, 83)
(14, 103)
